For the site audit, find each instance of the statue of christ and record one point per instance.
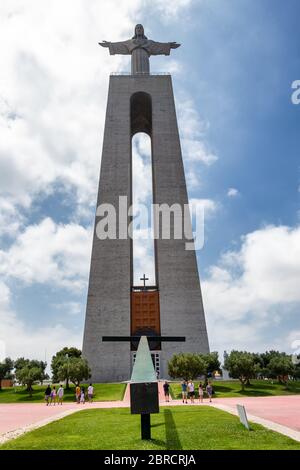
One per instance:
(140, 48)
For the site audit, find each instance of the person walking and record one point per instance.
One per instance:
(191, 389)
(53, 396)
(201, 392)
(90, 393)
(184, 391)
(82, 396)
(77, 394)
(60, 394)
(209, 391)
(167, 391)
(47, 395)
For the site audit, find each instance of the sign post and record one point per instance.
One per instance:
(243, 416)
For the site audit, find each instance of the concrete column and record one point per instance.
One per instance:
(108, 306)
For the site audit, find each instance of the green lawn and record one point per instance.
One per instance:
(106, 392)
(174, 428)
(102, 392)
(232, 388)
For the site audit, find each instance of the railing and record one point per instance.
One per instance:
(139, 74)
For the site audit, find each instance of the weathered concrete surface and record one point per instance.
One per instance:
(108, 306)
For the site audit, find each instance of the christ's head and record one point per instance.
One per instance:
(139, 32)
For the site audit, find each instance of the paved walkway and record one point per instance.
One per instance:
(18, 418)
(284, 410)
(281, 413)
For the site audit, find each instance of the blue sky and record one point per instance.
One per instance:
(232, 81)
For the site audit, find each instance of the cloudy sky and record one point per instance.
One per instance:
(240, 136)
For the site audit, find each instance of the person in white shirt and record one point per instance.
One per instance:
(90, 393)
(201, 392)
(60, 394)
(191, 389)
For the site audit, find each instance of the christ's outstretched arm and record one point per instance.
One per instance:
(162, 48)
(116, 47)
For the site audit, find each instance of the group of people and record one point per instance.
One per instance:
(53, 396)
(80, 394)
(188, 391)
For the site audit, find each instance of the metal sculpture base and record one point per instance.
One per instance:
(146, 426)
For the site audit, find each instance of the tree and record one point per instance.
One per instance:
(60, 359)
(20, 363)
(30, 371)
(296, 362)
(76, 369)
(241, 365)
(6, 367)
(282, 366)
(265, 359)
(212, 363)
(186, 366)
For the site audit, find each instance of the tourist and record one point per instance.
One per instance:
(209, 390)
(184, 391)
(53, 396)
(47, 395)
(90, 393)
(82, 396)
(77, 394)
(166, 391)
(60, 394)
(201, 392)
(191, 389)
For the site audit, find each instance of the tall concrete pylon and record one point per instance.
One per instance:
(141, 102)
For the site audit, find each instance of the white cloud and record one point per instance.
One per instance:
(254, 289)
(10, 218)
(17, 340)
(53, 87)
(193, 130)
(171, 10)
(294, 341)
(53, 92)
(69, 308)
(143, 253)
(232, 192)
(195, 149)
(4, 312)
(49, 253)
(208, 205)
(174, 67)
(141, 168)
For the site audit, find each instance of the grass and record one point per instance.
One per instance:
(174, 428)
(232, 388)
(112, 392)
(102, 392)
